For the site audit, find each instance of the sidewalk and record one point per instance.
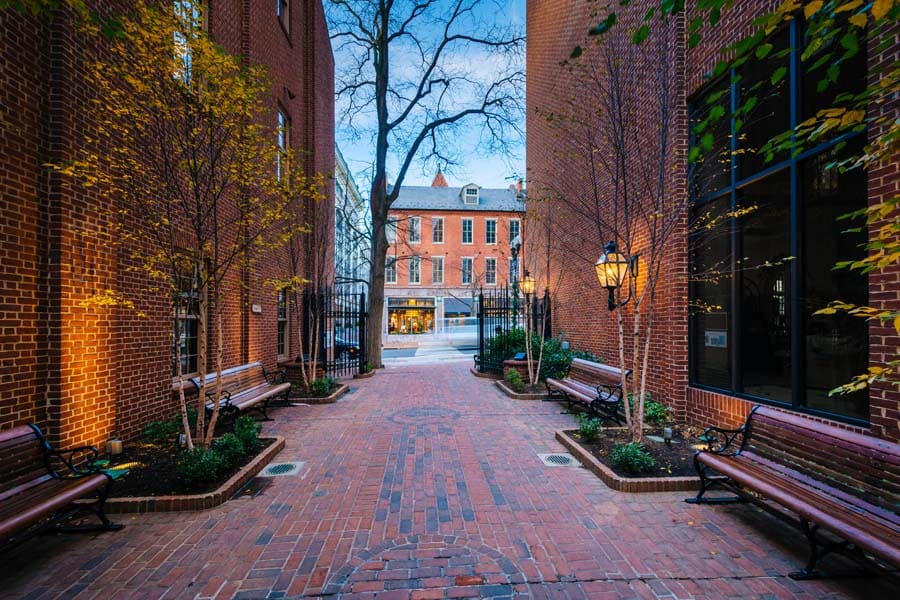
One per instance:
(424, 482)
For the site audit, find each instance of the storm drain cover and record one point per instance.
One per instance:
(559, 459)
(282, 469)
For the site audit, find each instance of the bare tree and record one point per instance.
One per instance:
(416, 71)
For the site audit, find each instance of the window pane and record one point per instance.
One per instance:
(837, 346)
(711, 172)
(437, 269)
(467, 231)
(851, 78)
(710, 305)
(466, 271)
(415, 230)
(765, 267)
(771, 114)
(437, 230)
(490, 231)
(513, 229)
(490, 271)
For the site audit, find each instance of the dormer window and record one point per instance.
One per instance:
(471, 195)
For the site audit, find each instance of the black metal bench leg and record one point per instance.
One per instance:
(262, 410)
(809, 571)
(706, 483)
(97, 508)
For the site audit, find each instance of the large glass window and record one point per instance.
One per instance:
(437, 269)
(415, 265)
(283, 135)
(490, 231)
(282, 323)
(390, 230)
(515, 228)
(490, 271)
(467, 231)
(437, 230)
(390, 270)
(764, 241)
(187, 324)
(415, 230)
(410, 316)
(467, 270)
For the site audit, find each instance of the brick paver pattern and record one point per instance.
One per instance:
(425, 482)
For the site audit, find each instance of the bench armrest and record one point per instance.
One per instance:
(67, 457)
(276, 377)
(727, 442)
(610, 390)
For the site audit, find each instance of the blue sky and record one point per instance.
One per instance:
(487, 170)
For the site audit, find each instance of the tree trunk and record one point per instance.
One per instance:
(376, 290)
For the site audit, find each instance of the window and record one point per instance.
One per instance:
(467, 270)
(437, 230)
(283, 135)
(768, 238)
(187, 324)
(283, 9)
(515, 229)
(471, 195)
(490, 271)
(415, 275)
(188, 15)
(467, 231)
(490, 231)
(415, 230)
(282, 323)
(390, 230)
(390, 270)
(437, 269)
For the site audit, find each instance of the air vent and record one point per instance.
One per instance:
(282, 469)
(559, 460)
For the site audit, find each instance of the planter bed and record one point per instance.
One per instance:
(504, 387)
(338, 391)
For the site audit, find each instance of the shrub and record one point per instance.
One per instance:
(588, 427)
(165, 431)
(515, 381)
(655, 413)
(631, 458)
(231, 448)
(198, 466)
(247, 431)
(506, 344)
(322, 386)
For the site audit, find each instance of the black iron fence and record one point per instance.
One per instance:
(337, 320)
(500, 311)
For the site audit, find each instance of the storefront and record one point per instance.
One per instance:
(410, 316)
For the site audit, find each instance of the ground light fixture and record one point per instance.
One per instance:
(612, 269)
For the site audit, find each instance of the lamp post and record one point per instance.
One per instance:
(612, 268)
(515, 245)
(527, 288)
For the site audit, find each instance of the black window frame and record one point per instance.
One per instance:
(732, 190)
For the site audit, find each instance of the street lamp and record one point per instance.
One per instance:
(527, 284)
(612, 268)
(515, 245)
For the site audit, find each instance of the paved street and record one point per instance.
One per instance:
(424, 482)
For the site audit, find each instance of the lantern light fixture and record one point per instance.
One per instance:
(612, 269)
(527, 284)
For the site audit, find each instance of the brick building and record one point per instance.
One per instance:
(751, 259)
(86, 373)
(445, 244)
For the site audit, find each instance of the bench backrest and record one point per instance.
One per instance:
(594, 372)
(23, 458)
(841, 462)
(236, 378)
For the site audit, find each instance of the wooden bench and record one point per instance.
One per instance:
(34, 495)
(591, 385)
(245, 387)
(814, 475)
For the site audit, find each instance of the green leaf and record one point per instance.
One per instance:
(604, 25)
(750, 104)
(763, 51)
(714, 15)
(822, 85)
(641, 34)
(717, 112)
(833, 72)
(778, 75)
(720, 68)
(693, 40)
(694, 154)
(576, 52)
(850, 42)
(706, 142)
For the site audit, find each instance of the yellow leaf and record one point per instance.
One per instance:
(812, 8)
(881, 7)
(897, 323)
(859, 20)
(852, 5)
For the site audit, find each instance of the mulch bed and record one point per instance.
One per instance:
(671, 460)
(154, 474)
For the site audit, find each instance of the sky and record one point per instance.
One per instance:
(485, 169)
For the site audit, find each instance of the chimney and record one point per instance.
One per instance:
(519, 188)
(439, 180)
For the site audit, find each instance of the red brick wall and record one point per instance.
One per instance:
(85, 373)
(556, 170)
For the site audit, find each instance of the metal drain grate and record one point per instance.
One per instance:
(282, 469)
(559, 459)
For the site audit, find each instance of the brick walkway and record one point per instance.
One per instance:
(424, 482)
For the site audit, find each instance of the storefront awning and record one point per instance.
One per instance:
(457, 306)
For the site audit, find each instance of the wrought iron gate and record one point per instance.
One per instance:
(338, 320)
(500, 312)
